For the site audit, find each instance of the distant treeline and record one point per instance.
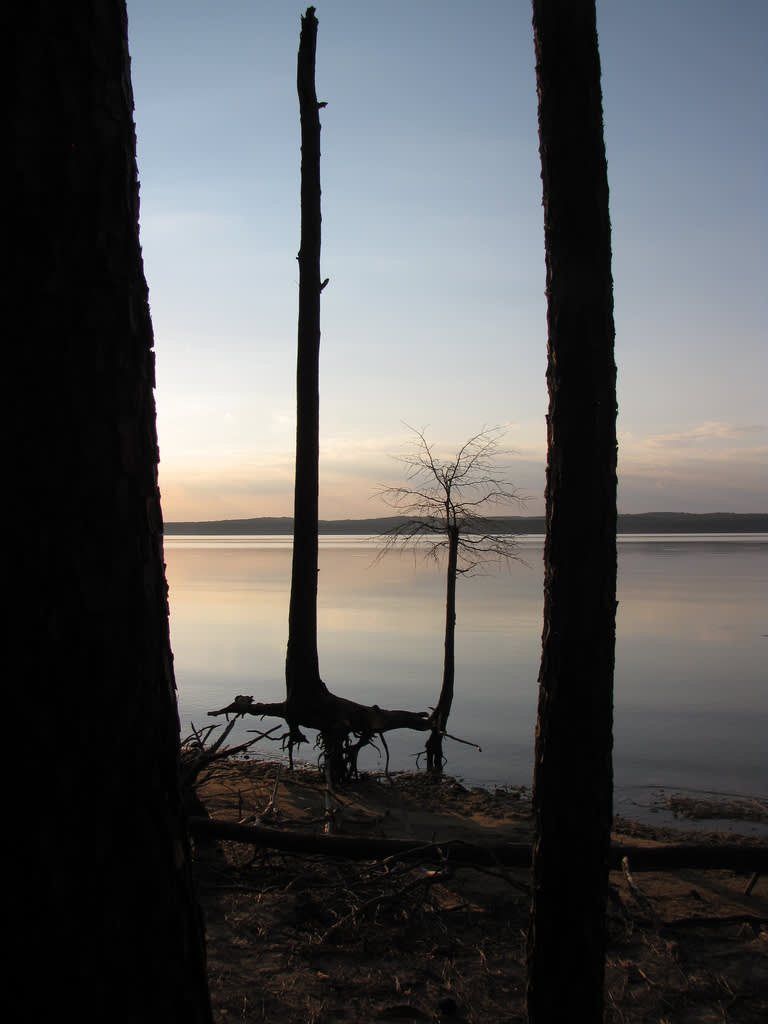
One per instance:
(646, 522)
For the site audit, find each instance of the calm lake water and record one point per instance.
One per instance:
(691, 690)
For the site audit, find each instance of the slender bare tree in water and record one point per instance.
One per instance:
(446, 502)
(573, 779)
(108, 925)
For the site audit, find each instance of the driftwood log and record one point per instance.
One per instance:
(702, 856)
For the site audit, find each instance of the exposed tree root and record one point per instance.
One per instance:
(329, 713)
(345, 726)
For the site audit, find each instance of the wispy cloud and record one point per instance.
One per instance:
(712, 466)
(709, 433)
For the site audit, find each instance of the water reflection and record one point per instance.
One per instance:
(690, 680)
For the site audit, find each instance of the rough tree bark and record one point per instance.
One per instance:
(573, 765)
(107, 923)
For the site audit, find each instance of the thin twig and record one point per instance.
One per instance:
(638, 894)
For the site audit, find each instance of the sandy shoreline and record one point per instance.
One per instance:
(307, 938)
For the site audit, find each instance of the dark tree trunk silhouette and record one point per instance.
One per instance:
(302, 672)
(573, 766)
(107, 925)
(308, 701)
(434, 745)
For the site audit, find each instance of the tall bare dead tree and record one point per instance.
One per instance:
(304, 687)
(573, 779)
(344, 725)
(106, 923)
(446, 503)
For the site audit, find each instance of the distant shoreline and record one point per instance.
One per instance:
(645, 522)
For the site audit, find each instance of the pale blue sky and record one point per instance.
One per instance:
(433, 243)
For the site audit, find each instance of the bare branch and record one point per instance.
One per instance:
(450, 493)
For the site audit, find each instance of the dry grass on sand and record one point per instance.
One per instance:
(310, 940)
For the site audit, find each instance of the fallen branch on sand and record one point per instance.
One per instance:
(721, 856)
(195, 755)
